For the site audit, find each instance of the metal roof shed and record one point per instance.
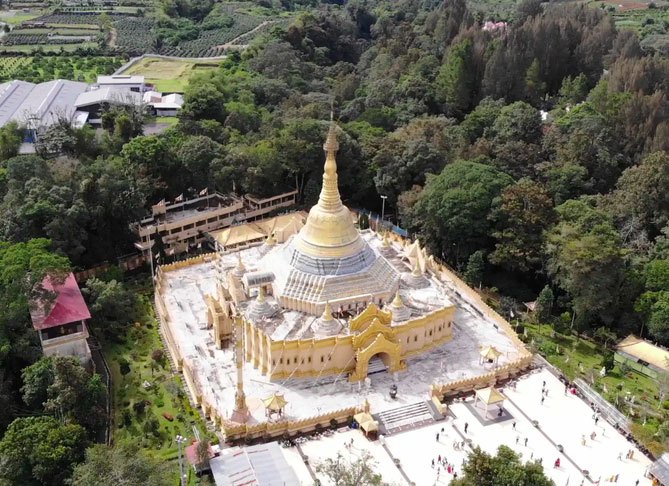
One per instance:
(259, 465)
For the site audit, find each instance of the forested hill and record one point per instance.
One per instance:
(532, 156)
(536, 150)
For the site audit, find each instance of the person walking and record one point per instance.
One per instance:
(513, 426)
(517, 439)
(542, 399)
(620, 456)
(439, 458)
(525, 441)
(466, 427)
(432, 463)
(437, 436)
(596, 420)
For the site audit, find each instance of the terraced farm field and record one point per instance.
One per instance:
(169, 75)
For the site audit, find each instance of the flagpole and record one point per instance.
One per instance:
(153, 282)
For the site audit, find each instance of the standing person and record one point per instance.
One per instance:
(432, 463)
(437, 436)
(439, 459)
(566, 388)
(525, 441)
(596, 419)
(620, 456)
(466, 427)
(631, 454)
(517, 439)
(542, 399)
(513, 426)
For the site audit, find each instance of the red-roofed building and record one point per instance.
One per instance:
(191, 455)
(60, 319)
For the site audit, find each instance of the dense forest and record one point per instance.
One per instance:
(533, 157)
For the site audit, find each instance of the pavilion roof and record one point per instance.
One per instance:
(275, 402)
(489, 395)
(68, 305)
(489, 352)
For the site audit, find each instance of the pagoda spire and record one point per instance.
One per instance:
(329, 199)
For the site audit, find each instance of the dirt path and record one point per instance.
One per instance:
(233, 42)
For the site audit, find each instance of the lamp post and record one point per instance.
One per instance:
(383, 207)
(181, 440)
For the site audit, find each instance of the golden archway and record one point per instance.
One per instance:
(371, 332)
(380, 345)
(371, 312)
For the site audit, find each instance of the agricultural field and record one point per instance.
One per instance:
(15, 17)
(45, 68)
(649, 19)
(168, 75)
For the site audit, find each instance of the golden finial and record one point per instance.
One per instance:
(385, 243)
(261, 294)
(397, 301)
(416, 269)
(271, 241)
(327, 312)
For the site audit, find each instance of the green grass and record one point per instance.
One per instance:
(566, 352)
(169, 75)
(19, 17)
(165, 396)
(172, 120)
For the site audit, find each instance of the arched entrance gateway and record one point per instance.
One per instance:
(376, 339)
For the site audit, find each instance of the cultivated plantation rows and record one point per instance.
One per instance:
(134, 31)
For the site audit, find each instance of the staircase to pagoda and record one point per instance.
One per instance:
(404, 418)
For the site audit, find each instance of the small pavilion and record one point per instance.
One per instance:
(275, 404)
(490, 354)
(368, 425)
(490, 400)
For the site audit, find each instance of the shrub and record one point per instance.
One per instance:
(608, 361)
(124, 366)
(139, 407)
(547, 348)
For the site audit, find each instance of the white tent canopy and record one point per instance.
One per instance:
(258, 465)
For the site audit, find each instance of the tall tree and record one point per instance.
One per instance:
(586, 260)
(39, 451)
(503, 469)
(526, 210)
(60, 386)
(357, 472)
(453, 209)
(105, 465)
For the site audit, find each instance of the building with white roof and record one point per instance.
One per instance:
(121, 81)
(38, 105)
(91, 104)
(259, 465)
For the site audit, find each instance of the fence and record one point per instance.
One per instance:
(608, 411)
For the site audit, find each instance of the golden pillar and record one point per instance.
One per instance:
(240, 414)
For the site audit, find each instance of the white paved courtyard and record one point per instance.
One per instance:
(563, 419)
(184, 295)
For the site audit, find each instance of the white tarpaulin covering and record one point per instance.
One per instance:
(259, 465)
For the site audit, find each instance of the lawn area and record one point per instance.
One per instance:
(138, 410)
(580, 358)
(172, 120)
(18, 17)
(167, 75)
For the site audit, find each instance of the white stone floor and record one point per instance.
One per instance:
(184, 297)
(562, 419)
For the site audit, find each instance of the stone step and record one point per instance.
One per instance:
(406, 417)
(376, 365)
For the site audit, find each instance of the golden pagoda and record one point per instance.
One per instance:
(329, 231)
